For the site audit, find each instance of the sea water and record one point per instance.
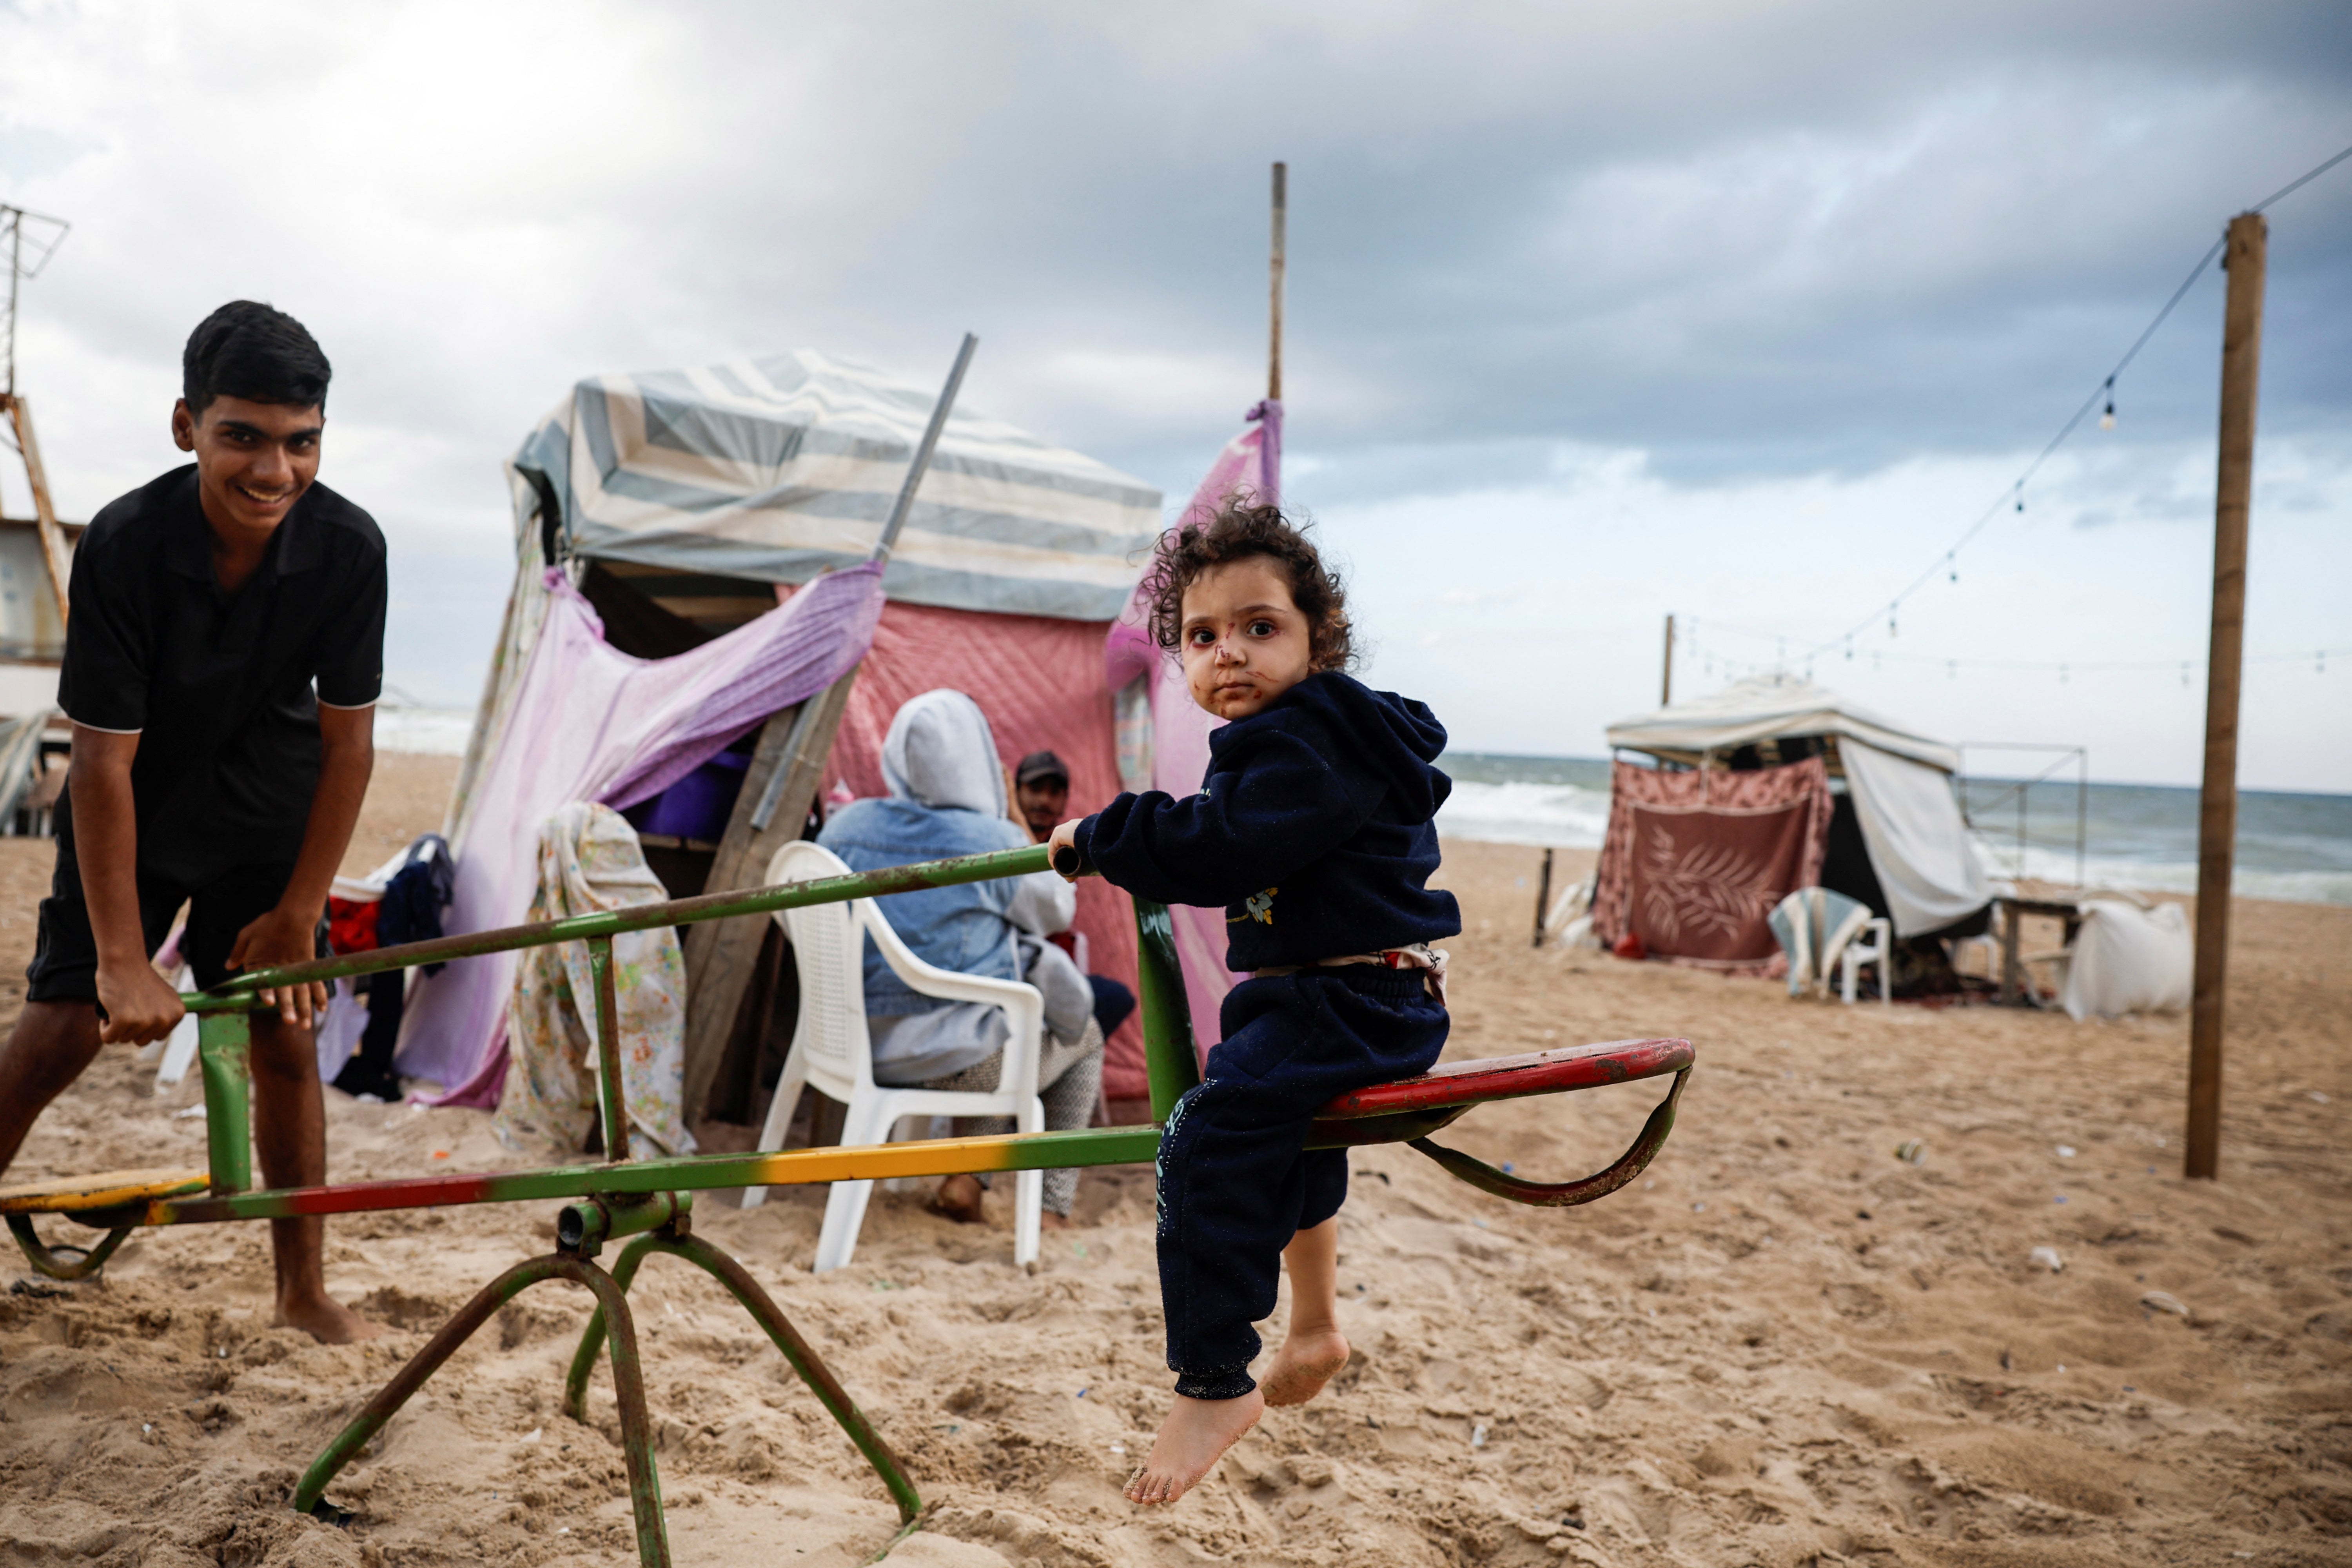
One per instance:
(2296, 847)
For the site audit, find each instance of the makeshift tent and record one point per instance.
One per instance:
(685, 504)
(1894, 839)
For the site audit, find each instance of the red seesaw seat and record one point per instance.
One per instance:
(1411, 1108)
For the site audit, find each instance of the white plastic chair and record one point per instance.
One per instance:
(1879, 950)
(833, 1054)
(1813, 925)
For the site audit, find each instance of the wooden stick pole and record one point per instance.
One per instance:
(779, 787)
(1666, 682)
(1543, 897)
(2216, 813)
(54, 554)
(1274, 333)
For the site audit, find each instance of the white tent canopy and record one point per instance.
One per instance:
(779, 468)
(1767, 708)
(1927, 868)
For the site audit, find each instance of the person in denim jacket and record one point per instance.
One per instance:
(948, 798)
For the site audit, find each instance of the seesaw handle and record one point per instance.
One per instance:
(1070, 863)
(1564, 1195)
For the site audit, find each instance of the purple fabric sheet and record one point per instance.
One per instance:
(594, 723)
(1250, 466)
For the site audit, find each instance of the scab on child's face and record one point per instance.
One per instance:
(1244, 641)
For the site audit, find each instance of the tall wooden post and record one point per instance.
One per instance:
(56, 554)
(1666, 680)
(1274, 283)
(2217, 806)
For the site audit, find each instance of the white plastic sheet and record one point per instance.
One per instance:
(2130, 959)
(1918, 844)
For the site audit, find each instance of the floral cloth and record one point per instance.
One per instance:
(1694, 860)
(589, 862)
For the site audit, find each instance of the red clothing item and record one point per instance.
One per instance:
(351, 925)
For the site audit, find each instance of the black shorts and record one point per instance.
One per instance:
(65, 954)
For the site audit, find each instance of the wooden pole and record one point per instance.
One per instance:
(54, 555)
(2217, 806)
(1273, 332)
(1666, 682)
(1543, 897)
(779, 787)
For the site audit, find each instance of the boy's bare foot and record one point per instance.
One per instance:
(959, 1198)
(1192, 1440)
(1051, 1221)
(325, 1320)
(1302, 1365)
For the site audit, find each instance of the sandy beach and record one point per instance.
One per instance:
(1785, 1347)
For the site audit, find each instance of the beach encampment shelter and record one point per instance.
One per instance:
(1770, 785)
(680, 510)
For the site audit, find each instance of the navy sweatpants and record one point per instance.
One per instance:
(1236, 1180)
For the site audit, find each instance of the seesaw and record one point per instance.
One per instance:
(649, 1203)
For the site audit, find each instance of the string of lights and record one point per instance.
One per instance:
(2102, 396)
(1700, 648)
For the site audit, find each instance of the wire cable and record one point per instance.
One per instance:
(2015, 492)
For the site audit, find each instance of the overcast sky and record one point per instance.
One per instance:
(1743, 312)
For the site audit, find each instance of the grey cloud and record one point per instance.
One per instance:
(1741, 241)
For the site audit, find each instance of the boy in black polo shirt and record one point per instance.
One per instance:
(206, 607)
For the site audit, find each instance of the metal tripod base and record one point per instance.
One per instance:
(612, 1321)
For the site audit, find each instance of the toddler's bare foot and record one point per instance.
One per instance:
(1051, 1221)
(1192, 1440)
(961, 1199)
(325, 1320)
(1302, 1365)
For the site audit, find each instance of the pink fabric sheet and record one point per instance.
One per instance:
(594, 723)
(1249, 466)
(1039, 681)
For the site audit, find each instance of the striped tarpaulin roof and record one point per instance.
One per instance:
(780, 467)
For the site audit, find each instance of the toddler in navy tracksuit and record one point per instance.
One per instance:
(1314, 829)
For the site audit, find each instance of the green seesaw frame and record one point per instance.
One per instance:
(651, 1201)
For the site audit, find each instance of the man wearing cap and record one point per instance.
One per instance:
(1041, 790)
(1041, 793)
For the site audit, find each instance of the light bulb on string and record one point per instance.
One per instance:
(2107, 418)
(1849, 647)
(1890, 620)
(1953, 567)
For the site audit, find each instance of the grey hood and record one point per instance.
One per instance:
(941, 753)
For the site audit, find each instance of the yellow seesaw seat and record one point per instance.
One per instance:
(70, 1194)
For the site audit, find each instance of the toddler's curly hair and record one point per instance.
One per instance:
(1239, 530)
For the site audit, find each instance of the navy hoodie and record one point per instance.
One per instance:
(1313, 829)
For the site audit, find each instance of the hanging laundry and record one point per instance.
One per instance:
(410, 909)
(589, 862)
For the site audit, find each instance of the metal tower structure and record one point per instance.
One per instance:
(29, 239)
